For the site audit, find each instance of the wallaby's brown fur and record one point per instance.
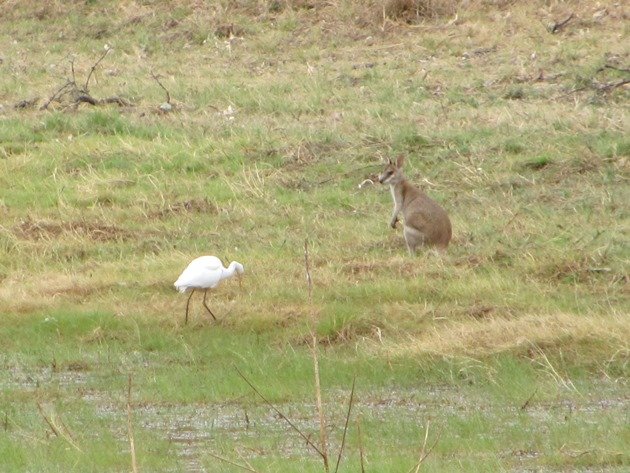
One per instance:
(425, 221)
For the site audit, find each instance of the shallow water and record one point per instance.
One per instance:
(195, 430)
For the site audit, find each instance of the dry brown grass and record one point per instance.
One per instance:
(492, 335)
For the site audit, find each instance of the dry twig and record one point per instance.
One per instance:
(92, 69)
(424, 453)
(309, 280)
(320, 408)
(62, 432)
(226, 460)
(529, 399)
(58, 94)
(79, 94)
(608, 86)
(132, 446)
(614, 68)
(557, 26)
(361, 452)
(157, 79)
(277, 411)
(318, 391)
(345, 427)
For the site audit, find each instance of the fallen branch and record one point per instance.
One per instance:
(608, 86)
(27, 103)
(115, 99)
(57, 94)
(78, 95)
(157, 79)
(614, 68)
(557, 26)
(86, 98)
(604, 87)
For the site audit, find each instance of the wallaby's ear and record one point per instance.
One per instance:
(389, 160)
(400, 161)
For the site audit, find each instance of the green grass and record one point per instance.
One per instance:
(271, 134)
(185, 383)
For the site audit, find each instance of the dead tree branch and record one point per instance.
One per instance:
(93, 68)
(58, 93)
(614, 68)
(157, 79)
(25, 104)
(557, 26)
(608, 86)
(74, 78)
(76, 95)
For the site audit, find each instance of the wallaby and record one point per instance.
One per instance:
(425, 221)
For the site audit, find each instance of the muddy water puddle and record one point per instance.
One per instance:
(195, 430)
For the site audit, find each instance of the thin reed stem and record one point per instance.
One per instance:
(361, 452)
(132, 445)
(345, 427)
(288, 421)
(226, 460)
(323, 438)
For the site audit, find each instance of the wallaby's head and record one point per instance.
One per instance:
(392, 174)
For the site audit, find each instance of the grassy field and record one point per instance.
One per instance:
(510, 352)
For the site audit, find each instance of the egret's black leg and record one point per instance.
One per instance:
(187, 304)
(206, 305)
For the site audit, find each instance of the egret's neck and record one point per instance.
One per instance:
(231, 270)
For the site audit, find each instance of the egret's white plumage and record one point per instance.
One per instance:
(205, 272)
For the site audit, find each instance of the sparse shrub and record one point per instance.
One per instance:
(411, 11)
(513, 147)
(538, 162)
(57, 122)
(415, 141)
(515, 93)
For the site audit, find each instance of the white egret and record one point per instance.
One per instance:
(205, 272)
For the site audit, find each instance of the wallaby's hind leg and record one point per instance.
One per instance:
(413, 238)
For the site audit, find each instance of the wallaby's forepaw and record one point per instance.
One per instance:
(393, 223)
